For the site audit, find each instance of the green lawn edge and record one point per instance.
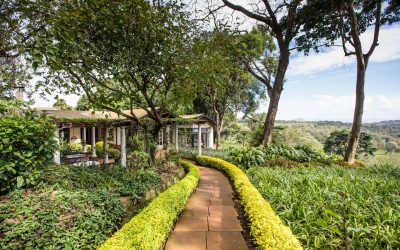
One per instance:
(150, 228)
(266, 228)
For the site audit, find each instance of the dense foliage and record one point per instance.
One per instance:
(192, 153)
(257, 156)
(115, 179)
(328, 207)
(266, 228)
(150, 228)
(58, 218)
(385, 135)
(336, 143)
(112, 152)
(26, 145)
(71, 207)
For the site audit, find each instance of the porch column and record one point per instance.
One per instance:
(211, 137)
(168, 132)
(176, 138)
(93, 148)
(84, 140)
(105, 130)
(123, 147)
(57, 154)
(199, 139)
(119, 133)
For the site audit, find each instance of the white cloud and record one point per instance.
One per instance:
(337, 108)
(388, 50)
(376, 107)
(49, 100)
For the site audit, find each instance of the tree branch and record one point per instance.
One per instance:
(376, 31)
(248, 13)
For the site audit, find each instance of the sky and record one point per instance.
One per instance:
(321, 86)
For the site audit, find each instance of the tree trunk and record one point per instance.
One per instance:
(275, 96)
(147, 145)
(153, 147)
(218, 137)
(362, 63)
(218, 128)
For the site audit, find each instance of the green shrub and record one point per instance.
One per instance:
(116, 179)
(192, 152)
(266, 228)
(337, 142)
(136, 142)
(247, 157)
(100, 145)
(323, 163)
(26, 145)
(112, 152)
(138, 160)
(257, 156)
(150, 228)
(71, 148)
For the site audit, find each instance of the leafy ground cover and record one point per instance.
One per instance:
(330, 207)
(274, 155)
(71, 207)
(192, 152)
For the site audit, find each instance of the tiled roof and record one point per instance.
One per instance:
(76, 114)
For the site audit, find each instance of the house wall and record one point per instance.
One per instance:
(75, 132)
(208, 126)
(115, 140)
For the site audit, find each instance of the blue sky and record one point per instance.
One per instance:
(329, 94)
(322, 86)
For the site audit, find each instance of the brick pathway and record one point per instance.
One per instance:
(209, 219)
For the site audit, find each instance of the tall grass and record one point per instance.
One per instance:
(336, 207)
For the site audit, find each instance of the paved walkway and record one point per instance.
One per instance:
(209, 219)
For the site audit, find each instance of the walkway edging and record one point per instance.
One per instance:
(266, 228)
(150, 228)
(209, 220)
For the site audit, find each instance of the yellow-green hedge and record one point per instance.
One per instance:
(150, 228)
(266, 228)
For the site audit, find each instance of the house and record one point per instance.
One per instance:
(89, 127)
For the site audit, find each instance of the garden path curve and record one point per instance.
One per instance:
(209, 220)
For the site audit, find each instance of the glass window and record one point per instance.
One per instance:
(160, 140)
(110, 134)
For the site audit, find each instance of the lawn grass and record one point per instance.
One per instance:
(323, 205)
(384, 157)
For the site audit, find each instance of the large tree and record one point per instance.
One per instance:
(129, 53)
(62, 104)
(347, 20)
(283, 20)
(224, 87)
(20, 23)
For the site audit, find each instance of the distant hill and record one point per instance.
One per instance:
(394, 123)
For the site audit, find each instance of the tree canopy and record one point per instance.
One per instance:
(223, 86)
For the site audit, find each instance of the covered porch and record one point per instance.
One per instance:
(86, 128)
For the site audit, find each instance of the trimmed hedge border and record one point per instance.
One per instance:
(150, 228)
(266, 228)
